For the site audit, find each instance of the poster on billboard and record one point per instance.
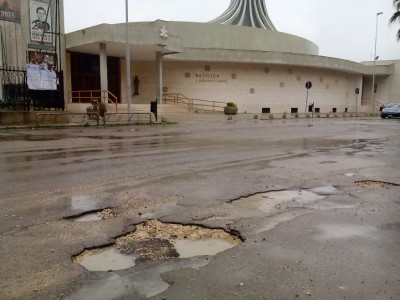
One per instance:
(10, 10)
(41, 58)
(40, 21)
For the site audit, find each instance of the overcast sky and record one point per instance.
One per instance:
(341, 28)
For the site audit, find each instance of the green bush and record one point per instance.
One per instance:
(231, 105)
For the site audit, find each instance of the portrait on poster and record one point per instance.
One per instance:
(40, 21)
(10, 10)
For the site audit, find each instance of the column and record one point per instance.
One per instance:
(103, 67)
(159, 78)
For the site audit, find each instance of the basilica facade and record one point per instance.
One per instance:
(239, 57)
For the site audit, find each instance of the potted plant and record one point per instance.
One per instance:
(102, 109)
(230, 109)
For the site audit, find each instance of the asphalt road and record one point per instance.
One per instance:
(344, 244)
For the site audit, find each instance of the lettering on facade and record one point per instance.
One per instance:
(209, 78)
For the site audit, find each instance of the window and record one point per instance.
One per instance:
(317, 109)
(334, 109)
(294, 110)
(266, 110)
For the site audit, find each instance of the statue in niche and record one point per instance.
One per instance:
(136, 83)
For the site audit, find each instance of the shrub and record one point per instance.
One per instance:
(231, 105)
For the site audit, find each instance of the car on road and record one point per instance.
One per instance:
(392, 110)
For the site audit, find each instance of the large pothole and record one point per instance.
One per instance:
(373, 184)
(157, 241)
(275, 202)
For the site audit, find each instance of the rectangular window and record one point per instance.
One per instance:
(334, 109)
(317, 109)
(266, 110)
(346, 109)
(294, 110)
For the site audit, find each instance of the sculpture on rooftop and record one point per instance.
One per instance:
(251, 13)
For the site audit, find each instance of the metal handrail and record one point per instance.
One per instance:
(67, 117)
(193, 103)
(88, 96)
(128, 116)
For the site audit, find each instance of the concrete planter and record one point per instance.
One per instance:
(230, 110)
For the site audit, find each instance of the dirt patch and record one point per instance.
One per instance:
(148, 249)
(107, 213)
(372, 184)
(391, 226)
(153, 240)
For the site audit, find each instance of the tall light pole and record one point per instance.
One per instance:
(375, 58)
(128, 60)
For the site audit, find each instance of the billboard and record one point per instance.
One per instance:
(40, 21)
(10, 10)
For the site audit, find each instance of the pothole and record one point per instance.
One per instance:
(373, 184)
(277, 201)
(105, 259)
(97, 215)
(157, 241)
(154, 240)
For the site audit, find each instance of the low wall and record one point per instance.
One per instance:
(17, 117)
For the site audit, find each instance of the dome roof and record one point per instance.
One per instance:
(250, 13)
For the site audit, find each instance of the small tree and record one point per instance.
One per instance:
(396, 16)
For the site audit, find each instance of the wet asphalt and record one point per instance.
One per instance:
(344, 244)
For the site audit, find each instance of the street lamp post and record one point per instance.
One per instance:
(375, 59)
(128, 60)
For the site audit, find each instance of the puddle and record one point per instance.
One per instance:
(372, 184)
(84, 203)
(328, 205)
(274, 202)
(106, 259)
(154, 240)
(89, 217)
(346, 231)
(325, 190)
(349, 175)
(31, 138)
(142, 284)
(188, 248)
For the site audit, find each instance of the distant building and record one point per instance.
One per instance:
(239, 57)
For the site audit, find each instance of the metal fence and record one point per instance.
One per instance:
(16, 96)
(91, 118)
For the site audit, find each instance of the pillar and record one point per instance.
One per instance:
(159, 78)
(103, 67)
